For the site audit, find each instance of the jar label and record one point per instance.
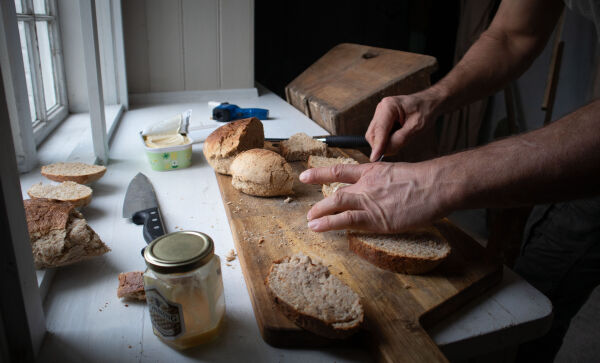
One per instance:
(166, 316)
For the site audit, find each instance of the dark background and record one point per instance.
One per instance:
(291, 35)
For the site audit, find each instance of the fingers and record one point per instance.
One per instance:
(344, 173)
(398, 139)
(388, 111)
(350, 219)
(338, 202)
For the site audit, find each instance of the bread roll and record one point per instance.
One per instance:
(307, 293)
(76, 172)
(262, 173)
(226, 142)
(299, 146)
(74, 193)
(59, 234)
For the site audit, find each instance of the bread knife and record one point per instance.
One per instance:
(141, 206)
(346, 141)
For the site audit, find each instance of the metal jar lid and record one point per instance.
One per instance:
(179, 252)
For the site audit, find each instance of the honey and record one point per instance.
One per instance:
(184, 289)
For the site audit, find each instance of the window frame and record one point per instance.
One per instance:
(45, 119)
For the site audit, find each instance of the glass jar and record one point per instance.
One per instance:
(184, 288)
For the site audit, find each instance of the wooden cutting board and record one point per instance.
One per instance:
(398, 308)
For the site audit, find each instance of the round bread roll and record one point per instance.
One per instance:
(226, 142)
(263, 173)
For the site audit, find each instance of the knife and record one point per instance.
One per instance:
(141, 206)
(347, 141)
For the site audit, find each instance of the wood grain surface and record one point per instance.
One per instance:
(398, 308)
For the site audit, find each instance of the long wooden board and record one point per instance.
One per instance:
(398, 307)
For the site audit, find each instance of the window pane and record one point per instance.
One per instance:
(46, 63)
(39, 6)
(19, 6)
(28, 74)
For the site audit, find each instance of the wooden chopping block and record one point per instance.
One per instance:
(341, 90)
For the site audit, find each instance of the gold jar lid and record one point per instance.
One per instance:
(179, 252)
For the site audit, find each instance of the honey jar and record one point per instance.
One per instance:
(184, 288)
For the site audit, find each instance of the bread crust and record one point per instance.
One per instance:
(48, 172)
(223, 144)
(37, 192)
(409, 265)
(131, 286)
(309, 322)
(44, 215)
(262, 173)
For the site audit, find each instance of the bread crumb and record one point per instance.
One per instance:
(229, 203)
(227, 264)
(126, 305)
(261, 240)
(129, 346)
(230, 256)
(288, 200)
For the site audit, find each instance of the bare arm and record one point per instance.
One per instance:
(504, 51)
(558, 162)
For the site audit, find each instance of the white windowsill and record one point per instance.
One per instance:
(70, 141)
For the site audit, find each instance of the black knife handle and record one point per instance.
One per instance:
(152, 221)
(346, 141)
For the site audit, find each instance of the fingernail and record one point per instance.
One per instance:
(313, 224)
(303, 176)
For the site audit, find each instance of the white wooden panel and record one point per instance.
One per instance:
(70, 31)
(107, 55)
(119, 48)
(94, 79)
(237, 43)
(201, 44)
(136, 45)
(165, 45)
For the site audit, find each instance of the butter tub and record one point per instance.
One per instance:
(168, 158)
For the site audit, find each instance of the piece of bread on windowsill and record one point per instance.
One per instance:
(412, 253)
(131, 286)
(299, 146)
(59, 234)
(309, 295)
(76, 172)
(74, 193)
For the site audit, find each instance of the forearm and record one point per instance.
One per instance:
(503, 52)
(555, 163)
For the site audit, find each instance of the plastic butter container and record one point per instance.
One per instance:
(168, 158)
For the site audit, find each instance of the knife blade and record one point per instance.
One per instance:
(347, 141)
(141, 206)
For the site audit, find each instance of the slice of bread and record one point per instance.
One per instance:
(315, 300)
(225, 143)
(262, 173)
(59, 234)
(76, 194)
(131, 286)
(412, 253)
(76, 172)
(299, 146)
(320, 161)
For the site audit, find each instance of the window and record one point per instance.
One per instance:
(42, 60)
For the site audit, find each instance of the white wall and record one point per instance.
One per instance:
(183, 45)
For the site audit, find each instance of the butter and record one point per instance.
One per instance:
(166, 140)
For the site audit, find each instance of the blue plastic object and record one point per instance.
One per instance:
(227, 112)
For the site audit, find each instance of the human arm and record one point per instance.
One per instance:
(558, 162)
(504, 51)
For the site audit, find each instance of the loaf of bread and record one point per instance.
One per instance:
(262, 173)
(320, 162)
(299, 146)
(226, 142)
(74, 193)
(131, 286)
(412, 253)
(76, 172)
(59, 234)
(314, 299)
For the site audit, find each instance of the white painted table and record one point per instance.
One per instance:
(86, 321)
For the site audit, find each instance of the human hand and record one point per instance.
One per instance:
(383, 197)
(412, 113)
